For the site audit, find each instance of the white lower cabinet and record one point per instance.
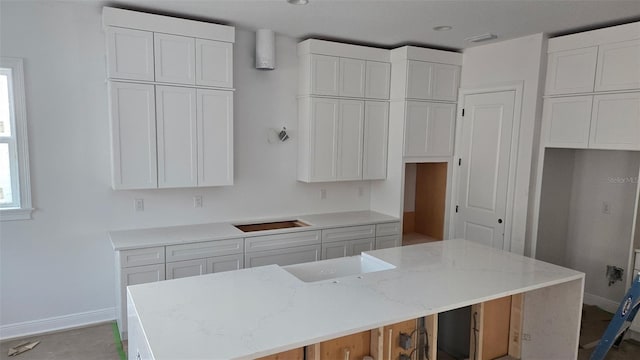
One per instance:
(225, 263)
(339, 249)
(283, 257)
(181, 269)
(134, 276)
(389, 241)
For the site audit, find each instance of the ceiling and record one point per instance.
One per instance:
(392, 23)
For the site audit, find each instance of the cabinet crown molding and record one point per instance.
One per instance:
(323, 47)
(596, 37)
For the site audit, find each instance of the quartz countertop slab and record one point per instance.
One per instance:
(260, 311)
(173, 235)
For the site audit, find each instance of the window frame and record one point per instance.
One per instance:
(23, 208)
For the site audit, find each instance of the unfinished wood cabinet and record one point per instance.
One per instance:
(295, 354)
(495, 328)
(350, 347)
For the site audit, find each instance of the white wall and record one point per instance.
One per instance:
(61, 262)
(507, 62)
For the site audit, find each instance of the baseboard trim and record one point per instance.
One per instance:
(16, 330)
(603, 303)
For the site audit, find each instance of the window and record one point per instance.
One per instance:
(15, 189)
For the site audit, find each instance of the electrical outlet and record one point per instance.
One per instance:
(606, 207)
(139, 204)
(323, 194)
(526, 337)
(405, 341)
(197, 201)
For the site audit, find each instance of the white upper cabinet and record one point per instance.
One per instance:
(352, 74)
(571, 71)
(174, 59)
(429, 129)
(377, 79)
(133, 135)
(130, 54)
(376, 135)
(419, 79)
(176, 125)
(445, 82)
(432, 81)
(214, 63)
(350, 138)
(325, 75)
(215, 137)
(618, 66)
(615, 122)
(567, 121)
(323, 136)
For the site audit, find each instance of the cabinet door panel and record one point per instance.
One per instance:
(176, 118)
(416, 120)
(618, 66)
(358, 246)
(350, 138)
(215, 137)
(214, 63)
(203, 250)
(352, 73)
(389, 241)
(440, 129)
(615, 122)
(174, 58)
(283, 257)
(225, 263)
(419, 79)
(133, 136)
(376, 135)
(186, 268)
(446, 79)
(571, 71)
(130, 54)
(325, 74)
(335, 250)
(377, 80)
(324, 139)
(567, 121)
(142, 274)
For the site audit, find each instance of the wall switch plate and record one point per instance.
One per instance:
(139, 204)
(323, 194)
(606, 207)
(197, 201)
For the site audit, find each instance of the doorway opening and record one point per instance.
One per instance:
(425, 193)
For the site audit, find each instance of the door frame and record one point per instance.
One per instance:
(517, 87)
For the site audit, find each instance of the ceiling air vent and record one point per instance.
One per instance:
(481, 38)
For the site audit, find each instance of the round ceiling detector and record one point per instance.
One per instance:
(443, 28)
(298, 2)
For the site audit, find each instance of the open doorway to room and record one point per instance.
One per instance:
(425, 193)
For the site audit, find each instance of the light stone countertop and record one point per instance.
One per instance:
(141, 238)
(259, 311)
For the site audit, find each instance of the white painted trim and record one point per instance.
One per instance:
(323, 47)
(22, 140)
(603, 303)
(518, 88)
(64, 322)
(425, 54)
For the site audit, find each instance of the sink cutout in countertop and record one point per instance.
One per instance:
(337, 268)
(274, 225)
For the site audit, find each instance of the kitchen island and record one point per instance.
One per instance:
(256, 312)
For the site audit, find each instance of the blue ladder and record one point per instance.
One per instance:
(620, 322)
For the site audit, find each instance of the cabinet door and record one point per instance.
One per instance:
(377, 80)
(358, 246)
(618, 66)
(389, 241)
(350, 138)
(376, 135)
(615, 122)
(130, 54)
(567, 121)
(325, 74)
(283, 257)
(335, 250)
(419, 79)
(225, 263)
(133, 136)
(571, 71)
(174, 58)
(352, 73)
(214, 63)
(215, 137)
(186, 268)
(323, 139)
(176, 118)
(446, 79)
(429, 129)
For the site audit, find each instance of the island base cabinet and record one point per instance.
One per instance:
(352, 347)
(295, 354)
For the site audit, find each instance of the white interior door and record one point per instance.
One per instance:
(483, 175)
